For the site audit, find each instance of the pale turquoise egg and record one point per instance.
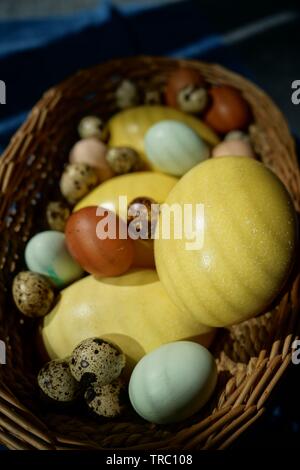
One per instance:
(174, 148)
(46, 253)
(173, 382)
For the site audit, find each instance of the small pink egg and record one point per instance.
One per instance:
(239, 148)
(92, 152)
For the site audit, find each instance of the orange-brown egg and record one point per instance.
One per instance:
(94, 238)
(228, 110)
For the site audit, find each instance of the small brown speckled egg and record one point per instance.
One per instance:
(107, 401)
(127, 95)
(77, 180)
(33, 294)
(123, 160)
(57, 214)
(96, 361)
(57, 383)
(90, 126)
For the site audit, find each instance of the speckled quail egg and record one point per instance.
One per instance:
(186, 90)
(152, 97)
(123, 160)
(192, 99)
(77, 180)
(33, 294)
(57, 214)
(108, 400)
(127, 94)
(57, 383)
(90, 126)
(96, 361)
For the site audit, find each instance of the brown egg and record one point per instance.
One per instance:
(143, 254)
(185, 90)
(92, 152)
(33, 294)
(228, 110)
(85, 237)
(77, 180)
(239, 148)
(57, 214)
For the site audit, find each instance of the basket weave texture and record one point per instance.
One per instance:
(251, 356)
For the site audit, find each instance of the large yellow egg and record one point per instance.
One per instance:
(246, 236)
(147, 184)
(129, 127)
(133, 310)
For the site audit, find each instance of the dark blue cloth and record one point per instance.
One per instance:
(38, 53)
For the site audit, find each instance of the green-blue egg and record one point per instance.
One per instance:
(46, 253)
(174, 148)
(173, 382)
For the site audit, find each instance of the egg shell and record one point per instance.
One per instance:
(240, 148)
(92, 152)
(57, 214)
(110, 256)
(246, 238)
(33, 294)
(127, 94)
(108, 400)
(46, 253)
(90, 126)
(173, 382)
(142, 218)
(96, 361)
(133, 311)
(228, 110)
(128, 128)
(57, 383)
(152, 97)
(123, 160)
(77, 180)
(174, 147)
(179, 79)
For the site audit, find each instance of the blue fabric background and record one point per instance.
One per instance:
(35, 54)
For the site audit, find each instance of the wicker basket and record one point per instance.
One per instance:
(251, 356)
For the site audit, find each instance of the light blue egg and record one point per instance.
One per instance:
(46, 253)
(174, 148)
(173, 382)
